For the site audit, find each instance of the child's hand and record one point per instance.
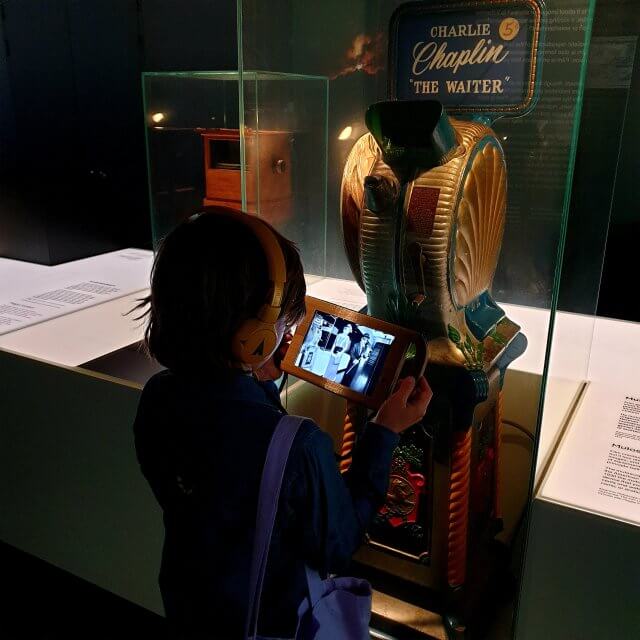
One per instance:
(270, 370)
(405, 406)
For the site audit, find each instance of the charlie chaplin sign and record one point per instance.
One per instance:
(471, 56)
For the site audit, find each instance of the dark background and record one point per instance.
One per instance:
(73, 178)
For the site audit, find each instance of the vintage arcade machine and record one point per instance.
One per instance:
(424, 197)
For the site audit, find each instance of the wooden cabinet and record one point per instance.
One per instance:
(268, 163)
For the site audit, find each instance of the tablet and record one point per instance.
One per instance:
(352, 354)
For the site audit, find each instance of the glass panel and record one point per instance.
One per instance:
(600, 151)
(187, 117)
(271, 161)
(285, 146)
(348, 44)
(586, 478)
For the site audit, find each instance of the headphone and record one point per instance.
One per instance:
(257, 338)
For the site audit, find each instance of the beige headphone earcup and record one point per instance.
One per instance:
(254, 342)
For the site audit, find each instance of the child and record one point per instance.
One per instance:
(203, 427)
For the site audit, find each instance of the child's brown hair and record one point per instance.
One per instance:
(210, 275)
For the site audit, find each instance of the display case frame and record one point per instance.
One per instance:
(540, 149)
(246, 115)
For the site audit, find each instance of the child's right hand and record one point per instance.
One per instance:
(405, 406)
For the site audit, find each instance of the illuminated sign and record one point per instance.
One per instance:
(471, 56)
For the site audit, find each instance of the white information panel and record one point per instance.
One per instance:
(597, 467)
(30, 294)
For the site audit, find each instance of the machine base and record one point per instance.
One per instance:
(483, 610)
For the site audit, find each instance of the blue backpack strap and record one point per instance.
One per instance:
(270, 485)
(315, 586)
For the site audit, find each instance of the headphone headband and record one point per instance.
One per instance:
(275, 260)
(257, 337)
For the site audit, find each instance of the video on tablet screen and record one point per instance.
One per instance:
(344, 352)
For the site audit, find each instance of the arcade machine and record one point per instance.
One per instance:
(423, 204)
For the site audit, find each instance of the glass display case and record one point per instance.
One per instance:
(584, 497)
(472, 203)
(367, 139)
(252, 140)
(365, 60)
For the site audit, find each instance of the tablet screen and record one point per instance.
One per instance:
(344, 352)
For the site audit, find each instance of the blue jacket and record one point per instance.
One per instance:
(201, 444)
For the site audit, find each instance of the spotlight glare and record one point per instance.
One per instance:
(345, 134)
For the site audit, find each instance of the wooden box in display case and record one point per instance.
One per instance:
(234, 139)
(268, 162)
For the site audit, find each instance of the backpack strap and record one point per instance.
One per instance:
(270, 485)
(315, 585)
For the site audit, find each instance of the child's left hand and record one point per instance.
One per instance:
(270, 370)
